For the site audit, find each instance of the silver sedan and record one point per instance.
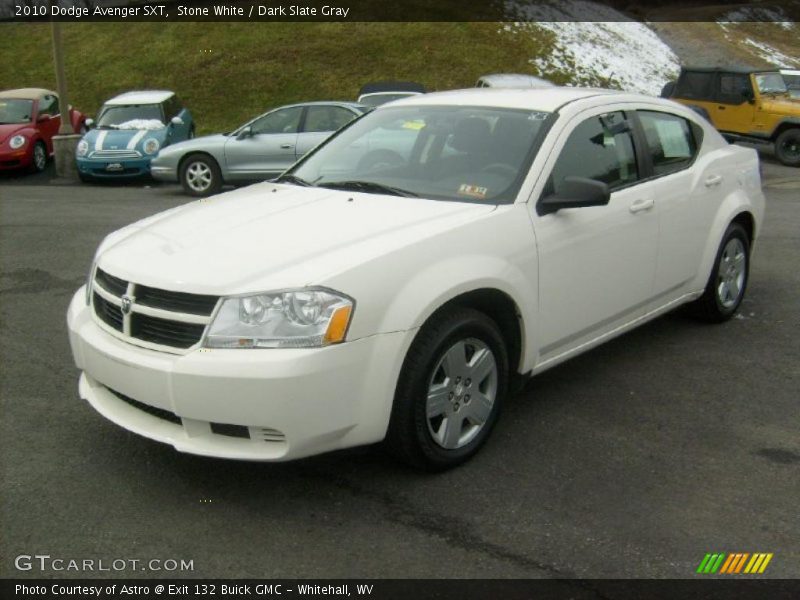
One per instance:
(260, 149)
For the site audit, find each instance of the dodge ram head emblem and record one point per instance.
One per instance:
(127, 302)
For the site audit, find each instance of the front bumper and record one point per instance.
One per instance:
(114, 169)
(11, 160)
(162, 173)
(269, 404)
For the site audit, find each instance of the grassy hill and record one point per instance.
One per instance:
(228, 72)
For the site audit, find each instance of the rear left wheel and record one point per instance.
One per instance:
(450, 391)
(726, 285)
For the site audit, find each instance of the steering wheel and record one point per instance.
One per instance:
(380, 158)
(500, 169)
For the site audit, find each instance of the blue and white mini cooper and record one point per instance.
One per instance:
(130, 130)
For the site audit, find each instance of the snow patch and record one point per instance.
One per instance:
(771, 55)
(617, 52)
(146, 124)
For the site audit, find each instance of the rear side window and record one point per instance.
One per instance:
(327, 118)
(695, 86)
(731, 88)
(599, 148)
(670, 141)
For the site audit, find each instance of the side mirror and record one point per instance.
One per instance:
(177, 121)
(245, 132)
(748, 95)
(575, 192)
(89, 123)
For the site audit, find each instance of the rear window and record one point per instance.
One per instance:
(694, 85)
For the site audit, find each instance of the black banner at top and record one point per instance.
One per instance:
(395, 10)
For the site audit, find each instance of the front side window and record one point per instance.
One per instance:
(327, 118)
(669, 141)
(131, 116)
(15, 111)
(48, 105)
(600, 148)
(284, 120)
(462, 153)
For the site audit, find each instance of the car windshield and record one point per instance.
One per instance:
(378, 99)
(770, 83)
(462, 153)
(792, 81)
(15, 111)
(131, 116)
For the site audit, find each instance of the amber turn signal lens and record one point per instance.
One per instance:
(338, 325)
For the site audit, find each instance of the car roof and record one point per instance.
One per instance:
(515, 79)
(790, 72)
(27, 93)
(548, 99)
(732, 69)
(141, 97)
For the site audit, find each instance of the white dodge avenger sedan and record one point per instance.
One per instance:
(404, 277)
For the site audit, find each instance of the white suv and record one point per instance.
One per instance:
(399, 281)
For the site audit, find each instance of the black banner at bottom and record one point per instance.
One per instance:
(404, 589)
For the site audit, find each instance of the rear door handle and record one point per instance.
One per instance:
(287, 146)
(713, 180)
(642, 204)
(721, 107)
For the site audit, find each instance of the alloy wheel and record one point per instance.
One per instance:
(731, 273)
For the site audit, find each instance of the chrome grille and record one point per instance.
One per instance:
(115, 154)
(154, 316)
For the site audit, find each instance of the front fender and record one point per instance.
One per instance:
(439, 283)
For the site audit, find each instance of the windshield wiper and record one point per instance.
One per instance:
(369, 187)
(293, 179)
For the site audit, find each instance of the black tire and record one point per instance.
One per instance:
(716, 305)
(787, 147)
(39, 164)
(410, 437)
(203, 163)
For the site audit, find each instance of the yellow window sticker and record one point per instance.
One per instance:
(416, 124)
(473, 191)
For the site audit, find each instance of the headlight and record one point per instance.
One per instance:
(83, 148)
(89, 281)
(151, 146)
(306, 318)
(18, 141)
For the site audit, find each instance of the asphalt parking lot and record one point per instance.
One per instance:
(633, 460)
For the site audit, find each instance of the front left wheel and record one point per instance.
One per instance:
(39, 160)
(787, 147)
(450, 390)
(200, 176)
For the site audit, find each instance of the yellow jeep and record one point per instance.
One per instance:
(744, 104)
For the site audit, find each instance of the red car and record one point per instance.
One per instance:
(29, 118)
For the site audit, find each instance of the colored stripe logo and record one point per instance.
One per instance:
(734, 563)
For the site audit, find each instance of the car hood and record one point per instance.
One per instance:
(781, 106)
(271, 236)
(6, 131)
(121, 139)
(206, 142)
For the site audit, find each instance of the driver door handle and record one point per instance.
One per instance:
(287, 146)
(641, 204)
(713, 180)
